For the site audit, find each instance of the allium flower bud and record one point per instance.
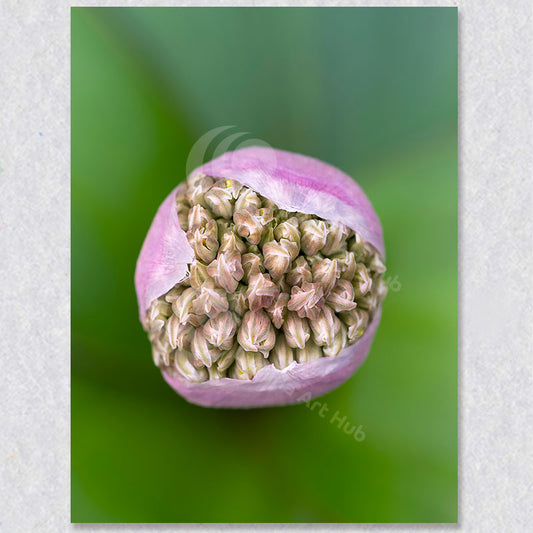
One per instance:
(234, 187)
(277, 258)
(310, 352)
(265, 215)
(160, 348)
(292, 248)
(215, 372)
(306, 300)
(160, 308)
(296, 330)
(198, 185)
(248, 364)
(341, 297)
(267, 235)
(172, 328)
(325, 326)
(210, 301)
(302, 217)
(247, 200)
(288, 230)
(228, 357)
(252, 264)
(376, 264)
(314, 233)
(312, 260)
(179, 335)
(346, 263)
(326, 272)
(356, 320)
(220, 201)
(158, 313)
(227, 270)
(204, 241)
(220, 330)
(359, 248)
(256, 333)
(362, 282)
(369, 301)
(265, 202)
(172, 294)
(197, 275)
(300, 272)
(339, 342)
(260, 280)
(278, 310)
(182, 208)
(198, 217)
(229, 240)
(281, 214)
(182, 307)
(183, 364)
(262, 292)
(237, 300)
(336, 238)
(282, 355)
(284, 287)
(381, 288)
(203, 349)
(248, 225)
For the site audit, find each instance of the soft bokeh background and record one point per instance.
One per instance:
(372, 91)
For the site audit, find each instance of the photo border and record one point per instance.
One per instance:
(495, 266)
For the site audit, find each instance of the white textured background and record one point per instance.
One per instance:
(496, 273)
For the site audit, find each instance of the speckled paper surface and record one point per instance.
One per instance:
(495, 267)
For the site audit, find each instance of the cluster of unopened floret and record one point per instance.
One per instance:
(267, 286)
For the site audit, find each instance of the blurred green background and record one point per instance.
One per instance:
(370, 90)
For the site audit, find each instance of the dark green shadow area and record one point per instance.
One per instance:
(372, 91)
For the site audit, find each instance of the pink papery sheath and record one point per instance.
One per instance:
(295, 183)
